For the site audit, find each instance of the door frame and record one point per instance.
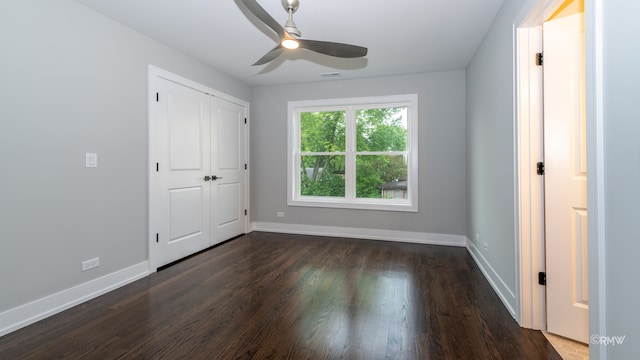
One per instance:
(154, 75)
(529, 204)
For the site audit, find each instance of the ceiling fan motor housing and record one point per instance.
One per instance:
(291, 6)
(292, 29)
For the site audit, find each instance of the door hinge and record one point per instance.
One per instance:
(157, 167)
(245, 166)
(542, 278)
(157, 237)
(540, 168)
(157, 97)
(539, 59)
(245, 211)
(245, 120)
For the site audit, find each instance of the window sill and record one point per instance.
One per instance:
(360, 204)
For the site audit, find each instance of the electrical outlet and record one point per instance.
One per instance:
(484, 244)
(280, 214)
(90, 264)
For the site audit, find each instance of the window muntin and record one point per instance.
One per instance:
(354, 153)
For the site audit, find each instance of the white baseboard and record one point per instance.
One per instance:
(27, 314)
(359, 233)
(505, 294)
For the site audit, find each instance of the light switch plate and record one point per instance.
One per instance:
(91, 160)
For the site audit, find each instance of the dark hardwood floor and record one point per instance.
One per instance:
(276, 296)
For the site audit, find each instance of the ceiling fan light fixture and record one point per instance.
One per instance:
(290, 44)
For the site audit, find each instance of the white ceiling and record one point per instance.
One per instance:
(403, 37)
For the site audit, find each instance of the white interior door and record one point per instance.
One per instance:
(197, 180)
(565, 177)
(227, 169)
(180, 158)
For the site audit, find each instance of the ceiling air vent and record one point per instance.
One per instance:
(330, 74)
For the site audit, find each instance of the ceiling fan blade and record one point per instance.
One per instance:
(264, 16)
(333, 49)
(270, 56)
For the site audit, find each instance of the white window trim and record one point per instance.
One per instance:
(293, 182)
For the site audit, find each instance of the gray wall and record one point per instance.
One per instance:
(490, 146)
(73, 82)
(441, 145)
(622, 171)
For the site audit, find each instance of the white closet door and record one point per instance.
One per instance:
(179, 211)
(227, 169)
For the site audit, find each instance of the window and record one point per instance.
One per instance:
(357, 153)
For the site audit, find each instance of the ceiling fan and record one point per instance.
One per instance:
(290, 35)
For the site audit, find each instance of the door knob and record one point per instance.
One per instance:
(207, 178)
(216, 177)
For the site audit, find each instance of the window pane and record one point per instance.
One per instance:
(381, 176)
(322, 175)
(381, 129)
(322, 131)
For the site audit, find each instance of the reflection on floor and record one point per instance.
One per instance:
(568, 349)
